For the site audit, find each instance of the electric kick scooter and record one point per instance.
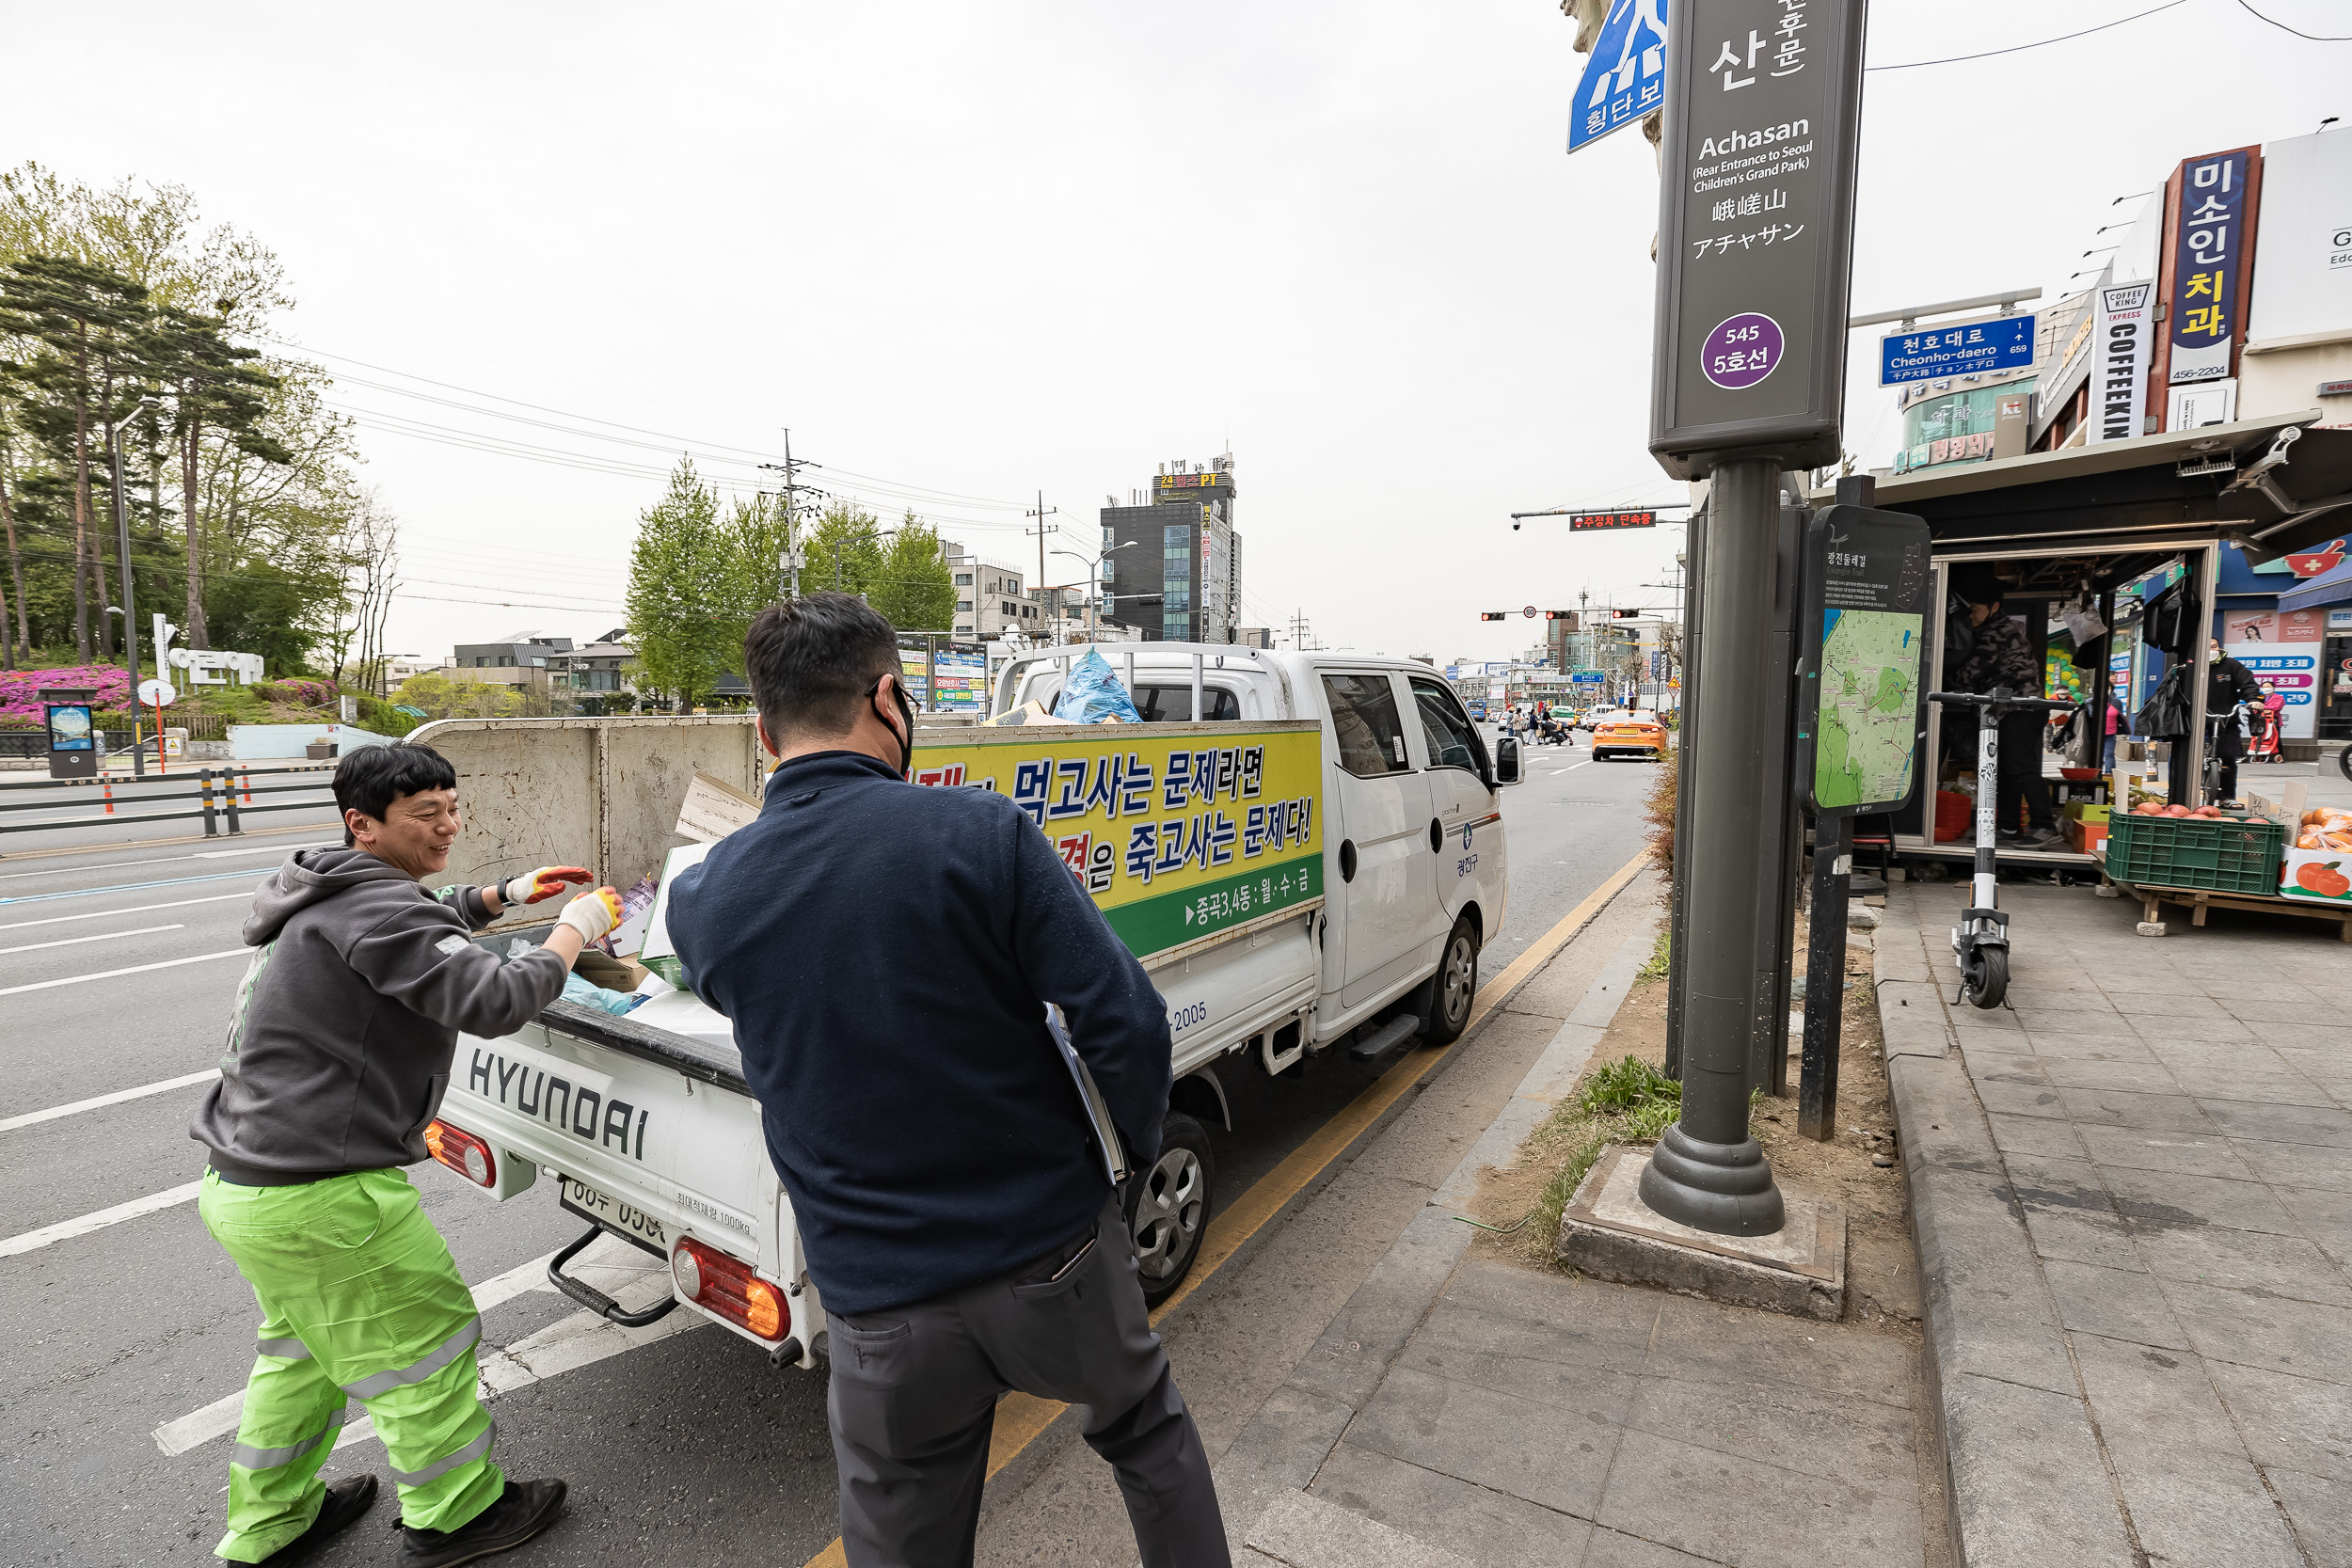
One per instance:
(1980, 941)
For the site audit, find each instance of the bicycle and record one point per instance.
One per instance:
(2344, 761)
(2234, 717)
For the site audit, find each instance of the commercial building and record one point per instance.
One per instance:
(599, 669)
(1171, 566)
(992, 598)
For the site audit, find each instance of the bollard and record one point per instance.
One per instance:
(229, 779)
(110, 796)
(249, 789)
(205, 787)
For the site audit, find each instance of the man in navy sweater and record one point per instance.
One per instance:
(886, 953)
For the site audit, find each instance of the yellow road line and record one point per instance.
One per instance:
(1020, 1418)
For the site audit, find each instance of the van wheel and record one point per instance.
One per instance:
(1449, 993)
(1167, 1206)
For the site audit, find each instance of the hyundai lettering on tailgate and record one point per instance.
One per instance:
(565, 1098)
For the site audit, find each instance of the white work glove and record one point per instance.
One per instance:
(534, 886)
(593, 915)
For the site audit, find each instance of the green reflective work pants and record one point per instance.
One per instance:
(359, 1300)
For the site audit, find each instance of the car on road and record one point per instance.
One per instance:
(1635, 731)
(1314, 867)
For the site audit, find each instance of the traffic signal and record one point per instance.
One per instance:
(1494, 615)
(1625, 614)
(1559, 614)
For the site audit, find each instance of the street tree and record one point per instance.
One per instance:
(845, 549)
(214, 390)
(682, 572)
(912, 587)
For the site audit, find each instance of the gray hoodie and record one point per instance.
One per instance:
(340, 1047)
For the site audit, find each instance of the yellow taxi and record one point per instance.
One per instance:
(1634, 732)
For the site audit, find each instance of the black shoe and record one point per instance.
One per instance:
(346, 1499)
(522, 1510)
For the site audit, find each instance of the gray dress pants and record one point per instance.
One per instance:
(914, 1396)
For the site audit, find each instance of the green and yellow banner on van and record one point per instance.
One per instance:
(1177, 832)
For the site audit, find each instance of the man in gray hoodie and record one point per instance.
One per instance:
(337, 1056)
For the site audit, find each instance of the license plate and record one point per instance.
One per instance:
(624, 1220)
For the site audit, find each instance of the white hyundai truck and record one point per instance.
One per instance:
(1305, 850)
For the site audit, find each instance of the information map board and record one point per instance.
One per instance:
(1859, 702)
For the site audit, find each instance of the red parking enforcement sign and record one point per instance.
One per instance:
(1529, 612)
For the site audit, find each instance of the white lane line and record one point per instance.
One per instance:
(1573, 766)
(134, 969)
(135, 909)
(578, 1340)
(159, 860)
(63, 1231)
(127, 887)
(77, 941)
(95, 1101)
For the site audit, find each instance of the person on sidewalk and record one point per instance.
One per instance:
(886, 953)
(2001, 657)
(2228, 683)
(338, 1055)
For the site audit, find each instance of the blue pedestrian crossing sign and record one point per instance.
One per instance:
(1626, 77)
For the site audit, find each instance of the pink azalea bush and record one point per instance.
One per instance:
(20, 689)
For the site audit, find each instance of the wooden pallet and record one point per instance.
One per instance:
(2198, 900)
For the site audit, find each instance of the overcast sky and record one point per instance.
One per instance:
(967, 251)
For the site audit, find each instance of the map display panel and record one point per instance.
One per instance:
(1867, 582)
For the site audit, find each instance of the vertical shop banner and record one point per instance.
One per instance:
(1176, 836)
(1756, 232)
(2212, 241)
(2119, 374)
(2292, 670)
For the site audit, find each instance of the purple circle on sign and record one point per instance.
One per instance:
(1742, 351)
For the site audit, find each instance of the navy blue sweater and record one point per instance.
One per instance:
(886, 952)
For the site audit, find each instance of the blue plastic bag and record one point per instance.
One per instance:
(591, 995)
(1092, 693)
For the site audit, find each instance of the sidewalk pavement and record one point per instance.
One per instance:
(2132, 1196)
(1463, 1411)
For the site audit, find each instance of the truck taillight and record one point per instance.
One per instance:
(462, 1152)
(718, 1283)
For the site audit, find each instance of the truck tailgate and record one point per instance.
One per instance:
(653, 1121)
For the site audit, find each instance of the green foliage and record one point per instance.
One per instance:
(683, 572)
(1627, 1085)
(442, 696)
(1661, 956)
(845, 552)
(913, 588)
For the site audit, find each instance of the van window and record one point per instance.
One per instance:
(1363, 711)
(1453, 743)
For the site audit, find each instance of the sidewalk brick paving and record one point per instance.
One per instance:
(2142, 1247)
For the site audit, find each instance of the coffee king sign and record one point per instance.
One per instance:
(2119, 374)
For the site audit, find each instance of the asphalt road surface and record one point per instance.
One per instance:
(130, 1334)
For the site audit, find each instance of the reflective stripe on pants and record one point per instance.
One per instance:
(360, 1299)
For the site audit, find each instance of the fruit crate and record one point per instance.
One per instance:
(2173, 851)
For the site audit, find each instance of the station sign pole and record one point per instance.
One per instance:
(1756, 225)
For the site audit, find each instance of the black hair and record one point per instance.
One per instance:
(813, 662)
(1978, 585)
(368, 779)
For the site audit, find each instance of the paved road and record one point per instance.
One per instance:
(681, 1446)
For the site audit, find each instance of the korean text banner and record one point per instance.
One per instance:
(1626, 76)
(1175, 836)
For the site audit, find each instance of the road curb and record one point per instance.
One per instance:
(2027, 1482)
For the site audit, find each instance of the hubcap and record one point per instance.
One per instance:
(1460, 963)
(1167, 1220)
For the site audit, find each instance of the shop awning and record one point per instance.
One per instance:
(2333, 587)
(2272, 486)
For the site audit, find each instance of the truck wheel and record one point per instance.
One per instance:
(1167, 1206)
(1448, 994)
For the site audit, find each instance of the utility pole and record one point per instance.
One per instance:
(790, 562)
(1041, 512)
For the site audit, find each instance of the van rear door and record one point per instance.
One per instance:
(1379, 848)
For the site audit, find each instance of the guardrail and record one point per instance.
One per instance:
(220, 793)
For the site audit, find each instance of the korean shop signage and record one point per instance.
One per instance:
(2118, 368)
(1755, 232)
(2212, 245)
(1176, 837)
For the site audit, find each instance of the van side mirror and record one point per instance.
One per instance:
(1506, 760)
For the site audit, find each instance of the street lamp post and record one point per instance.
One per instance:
(1095, 584)
(130, 606)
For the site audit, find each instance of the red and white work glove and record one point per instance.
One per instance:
(593, 915)
(534, 886)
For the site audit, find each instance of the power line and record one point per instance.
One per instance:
(2020, 48)
(2315, 38)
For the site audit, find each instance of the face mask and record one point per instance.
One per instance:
(906, 717)
(2213, 656)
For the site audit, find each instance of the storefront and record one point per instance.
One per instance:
(2326, 600)
(2125, 534)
